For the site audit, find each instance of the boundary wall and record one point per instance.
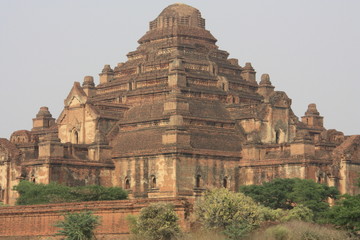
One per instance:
(37, 221)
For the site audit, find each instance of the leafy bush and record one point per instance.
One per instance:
(78, 226)
(273, 215)
(155, 222)
(237, 230)
(233, 213)
(97, 193)
(31, 193)
(278, 232)
(3, 205)
(346, 213)
(299, 213)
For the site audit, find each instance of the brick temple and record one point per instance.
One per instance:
(177, 117)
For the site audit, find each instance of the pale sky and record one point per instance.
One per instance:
(310, 48)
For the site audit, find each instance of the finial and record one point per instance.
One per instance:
(44, 112)
(88, 81)
(312, 111)
(265, 79)
(248, 66)
(178, 14)
(107, 69)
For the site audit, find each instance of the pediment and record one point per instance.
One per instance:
(62, 117)
(76, 97)
(74, 102)
(67, 116)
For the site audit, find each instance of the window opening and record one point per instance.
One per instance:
(153, 182)
(198, 181)
(2, 194)
(127, 183)
(277, 136)
(225, 182)
(75, 137)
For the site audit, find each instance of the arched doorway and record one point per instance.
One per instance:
(75, 136)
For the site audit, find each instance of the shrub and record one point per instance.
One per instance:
(78, 226)
(299, 213)
(346, 213)
(233, 213)
(273, 215)
(3, 205)
(97, 193)
(155, 222)
(237, 230)
(278, 232)
(31, 193)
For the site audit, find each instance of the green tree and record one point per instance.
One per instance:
(288, 193)
(233, 213)
(312, 195)
(155, 222)
(31, 193)
(273, 194)
(78, 226)
(346, 213)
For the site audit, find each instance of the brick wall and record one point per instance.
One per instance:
(37, 221)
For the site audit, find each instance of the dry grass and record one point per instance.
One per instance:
(202, 235)
(297, 230)
(294, 230)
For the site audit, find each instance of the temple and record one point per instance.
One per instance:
(177, 117)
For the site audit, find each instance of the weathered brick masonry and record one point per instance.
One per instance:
(35, 221)
(178, 117)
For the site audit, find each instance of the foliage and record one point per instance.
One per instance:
(3, 205)
(288, 193)
(31, 193)
(297, 230)
(272, 194)
(278, 232)
(312, 195)
(233, 213)
(203, 235)
(132, 221)
(300, 213)
(98, 193)
(346, 213)
(155, 222)
(237, 230)
(272, 215)
(78, 226)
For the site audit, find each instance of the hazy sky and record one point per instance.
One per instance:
(310, 48)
